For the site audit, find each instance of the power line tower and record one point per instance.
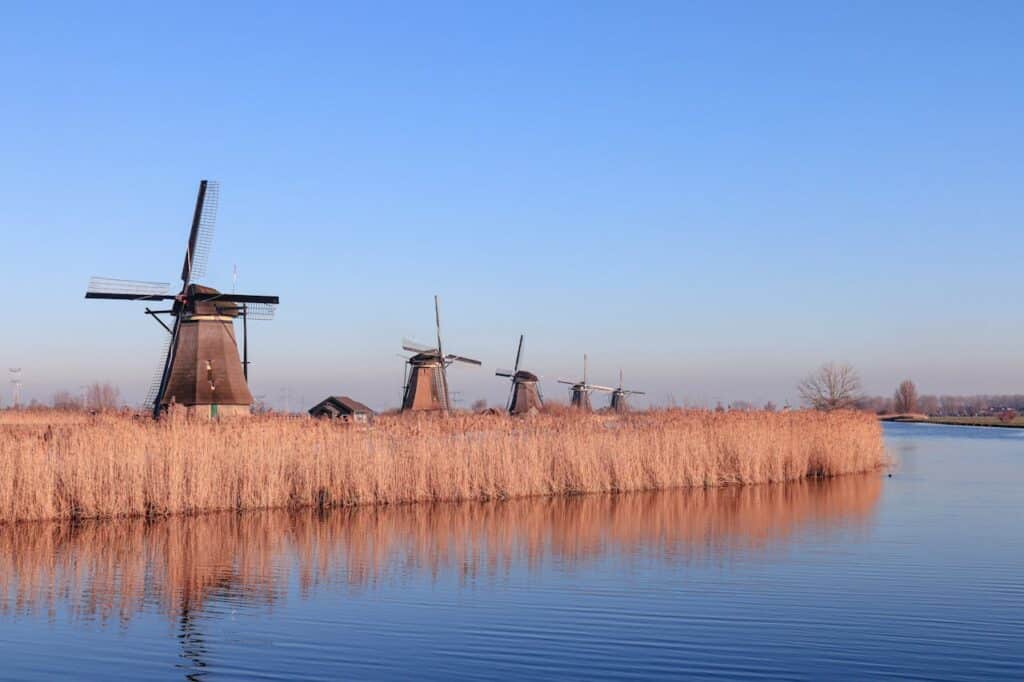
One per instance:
(15, 374)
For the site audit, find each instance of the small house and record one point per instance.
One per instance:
(342, 407)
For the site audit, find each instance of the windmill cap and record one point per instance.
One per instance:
(208, 307)
(523, 375)
(424, 358)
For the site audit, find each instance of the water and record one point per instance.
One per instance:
(918, 575)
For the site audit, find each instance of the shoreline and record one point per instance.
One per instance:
(983, 422)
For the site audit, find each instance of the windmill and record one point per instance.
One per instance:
(426, 372)
(580, 390)
(200, 367)
(620, 395)
(525, 394)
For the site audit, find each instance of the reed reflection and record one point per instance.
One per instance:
(109, 571)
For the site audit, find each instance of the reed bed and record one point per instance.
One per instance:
(74, 467)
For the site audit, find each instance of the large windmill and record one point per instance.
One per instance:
(201, 368)
(525, 394)
(426, 372)
(620, 395)
(580, 390)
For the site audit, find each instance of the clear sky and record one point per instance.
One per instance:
(716, 197)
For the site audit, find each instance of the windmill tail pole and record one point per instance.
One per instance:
(245, 341)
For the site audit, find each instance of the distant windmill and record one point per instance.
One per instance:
(525, 394)
(580, 390)
(201, 368)
(619, 395)
(426, 375)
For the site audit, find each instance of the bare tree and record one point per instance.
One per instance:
(928, 404)
(904, 400)
(100, 397)
(64, 400)
(831, 387)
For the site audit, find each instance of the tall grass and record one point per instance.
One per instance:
(70, 467)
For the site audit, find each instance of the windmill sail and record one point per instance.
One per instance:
(126, 287)
(158, 373)
(200, 240)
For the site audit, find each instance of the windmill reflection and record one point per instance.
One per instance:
(193, 569)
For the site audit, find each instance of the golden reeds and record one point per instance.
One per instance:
(113, 465)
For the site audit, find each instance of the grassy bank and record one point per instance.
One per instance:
(1015, 423)
(65, 466)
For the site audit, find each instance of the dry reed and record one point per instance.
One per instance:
(70, 467)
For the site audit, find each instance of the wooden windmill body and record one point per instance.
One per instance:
(201, 368)
(426, 373)
(620, 396)
(524, 397)
(580, 390)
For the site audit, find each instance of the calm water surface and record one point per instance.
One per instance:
(918, 575)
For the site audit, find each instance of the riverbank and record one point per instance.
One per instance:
(65, 466)
(1015, 423)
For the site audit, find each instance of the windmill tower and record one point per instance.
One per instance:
(200, 366)
(426, 373)
(620, 395)
(525, 394)
(580, 390)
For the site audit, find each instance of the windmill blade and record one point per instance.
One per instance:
(260, 311)
(595, 387)
(237, 298)
(158, 372)
(127, 288)
(519, 352)
(128, 297)
(413, 347)
(459, 358)
(566, 381)
(634, 393)
(437, 319)
(441, 389)
(504, 373)
(200, 239)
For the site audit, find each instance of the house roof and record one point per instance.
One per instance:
(343, 402)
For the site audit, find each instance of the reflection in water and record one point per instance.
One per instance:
(111, 570)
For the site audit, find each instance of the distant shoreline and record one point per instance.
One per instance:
(1017, 423)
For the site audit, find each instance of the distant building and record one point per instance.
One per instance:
(342, 407)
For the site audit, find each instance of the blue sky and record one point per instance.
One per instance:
(716, 197)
